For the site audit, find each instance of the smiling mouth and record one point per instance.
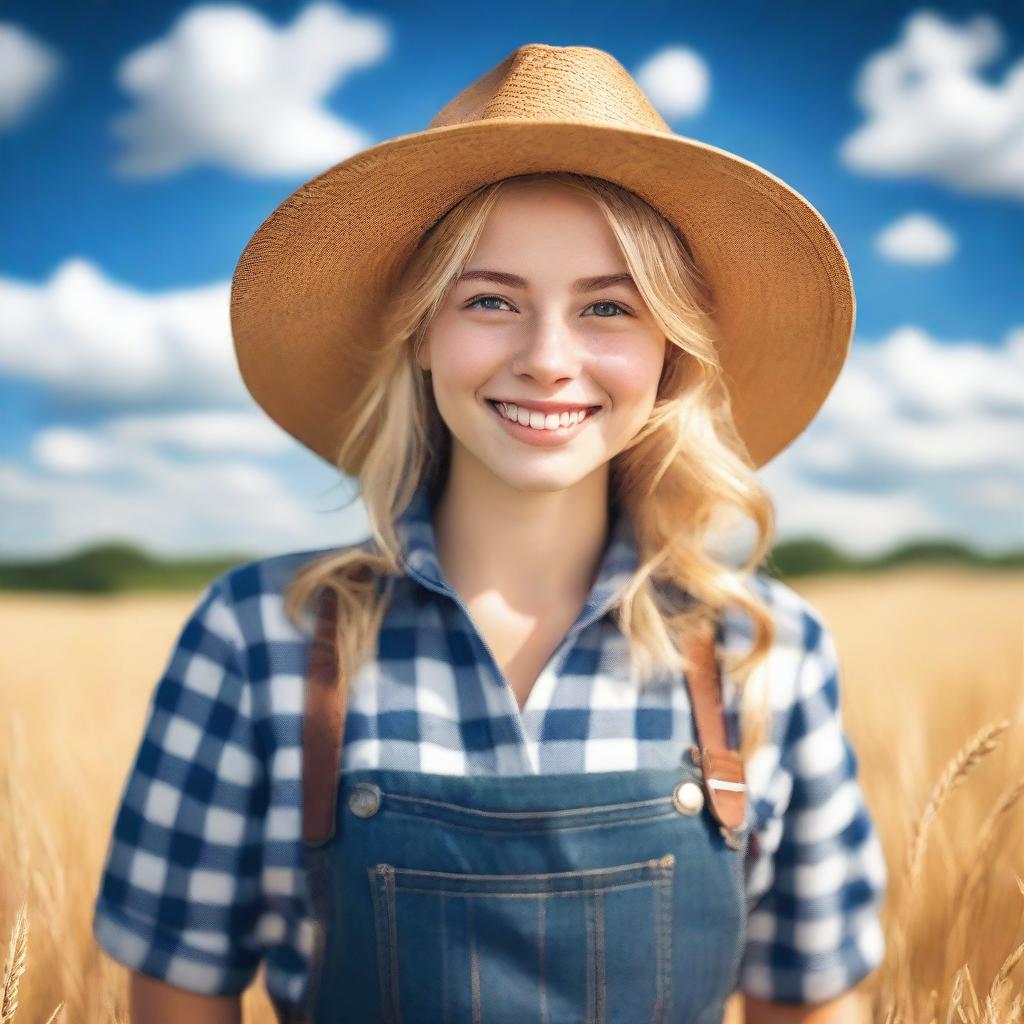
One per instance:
(562, 424)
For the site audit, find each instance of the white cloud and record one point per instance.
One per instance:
(83, 487)
(939, 381)
(929, 114)
(228, 87)
(69, 452)
(204, 433)
(28, 68)
(918, 437)
(676, 80)
(93, 341)
(916, 238)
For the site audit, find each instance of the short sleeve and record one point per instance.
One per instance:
(817, 931)
(179, 895)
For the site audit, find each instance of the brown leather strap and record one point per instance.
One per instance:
(324, 730)
(724, 778)
(323, 727)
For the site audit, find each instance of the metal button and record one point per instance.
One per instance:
(364, 801)
(688, 798)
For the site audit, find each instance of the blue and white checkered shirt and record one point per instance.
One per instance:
(204, 873)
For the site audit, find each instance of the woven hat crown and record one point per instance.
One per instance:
(548, 83)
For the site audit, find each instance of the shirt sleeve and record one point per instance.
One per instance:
(179, 895)
(817, 931)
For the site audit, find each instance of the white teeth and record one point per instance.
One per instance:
(537, 420)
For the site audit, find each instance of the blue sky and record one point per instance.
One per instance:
(123, 415)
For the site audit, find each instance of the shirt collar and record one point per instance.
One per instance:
(419, 552)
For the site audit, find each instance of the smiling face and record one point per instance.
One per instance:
(541, 336)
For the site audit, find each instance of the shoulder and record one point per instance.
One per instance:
(253, 592)
(246, 603)
(260, 577)
(798, 622)
(802, 655)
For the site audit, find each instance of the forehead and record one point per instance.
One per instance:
(560, 225)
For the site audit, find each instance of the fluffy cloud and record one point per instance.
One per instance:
(28, 67)
(918, 438)
(676, 80)
(228, 87)
(929, 113)
(916, 238)
(92, 341)
(81, 488)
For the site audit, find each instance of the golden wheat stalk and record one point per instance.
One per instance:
(955, 996)
(978, 747)
(982, 743)
(1002, 977)
(58, 1010)
(987, 836)
(15, 966)
(978, 864)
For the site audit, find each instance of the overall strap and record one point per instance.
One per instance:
(724, 777)
(323, 726)
(323, 731)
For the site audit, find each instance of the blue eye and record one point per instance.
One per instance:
(608, 303)
(485, 298)
(495, 298)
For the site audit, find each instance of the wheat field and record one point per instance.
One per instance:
(932, 663)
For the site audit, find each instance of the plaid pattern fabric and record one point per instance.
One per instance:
(203, 879)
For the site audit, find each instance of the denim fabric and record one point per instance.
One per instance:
(588, 897)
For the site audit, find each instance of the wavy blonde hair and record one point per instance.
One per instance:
(685, 475)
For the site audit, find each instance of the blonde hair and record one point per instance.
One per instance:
(685, 475)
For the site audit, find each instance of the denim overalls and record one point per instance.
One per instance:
(611, 897)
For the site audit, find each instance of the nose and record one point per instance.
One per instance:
(550, 351)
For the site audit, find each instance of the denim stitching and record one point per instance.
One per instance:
(380, 922)
(659, 867)
(445, 995)
(389, 880)
(541, 907)
(385, 915)
(665, 895)
(588, 916)
(441, 822)
(474, 961)
(599, 959)
(535, 895)
(514, 815)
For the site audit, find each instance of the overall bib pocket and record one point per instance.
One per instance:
(592, 945)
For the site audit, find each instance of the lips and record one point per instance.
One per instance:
(546, 408)
(541, 438)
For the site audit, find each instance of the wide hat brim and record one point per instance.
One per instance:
(308, 287)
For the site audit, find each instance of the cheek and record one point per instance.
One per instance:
(461, 369)
(460, 357)
(632, 375)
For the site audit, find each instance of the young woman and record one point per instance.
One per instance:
(540, 749)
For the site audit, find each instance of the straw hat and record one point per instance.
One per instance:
(308, 285)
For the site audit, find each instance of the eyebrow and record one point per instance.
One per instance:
(584, 284)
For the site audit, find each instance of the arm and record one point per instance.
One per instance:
(180, 894)
(156, 1002)
(815, 933)
(848, 1008)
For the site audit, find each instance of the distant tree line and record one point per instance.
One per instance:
(113, 568)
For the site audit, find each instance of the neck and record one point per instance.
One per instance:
(536, 549)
